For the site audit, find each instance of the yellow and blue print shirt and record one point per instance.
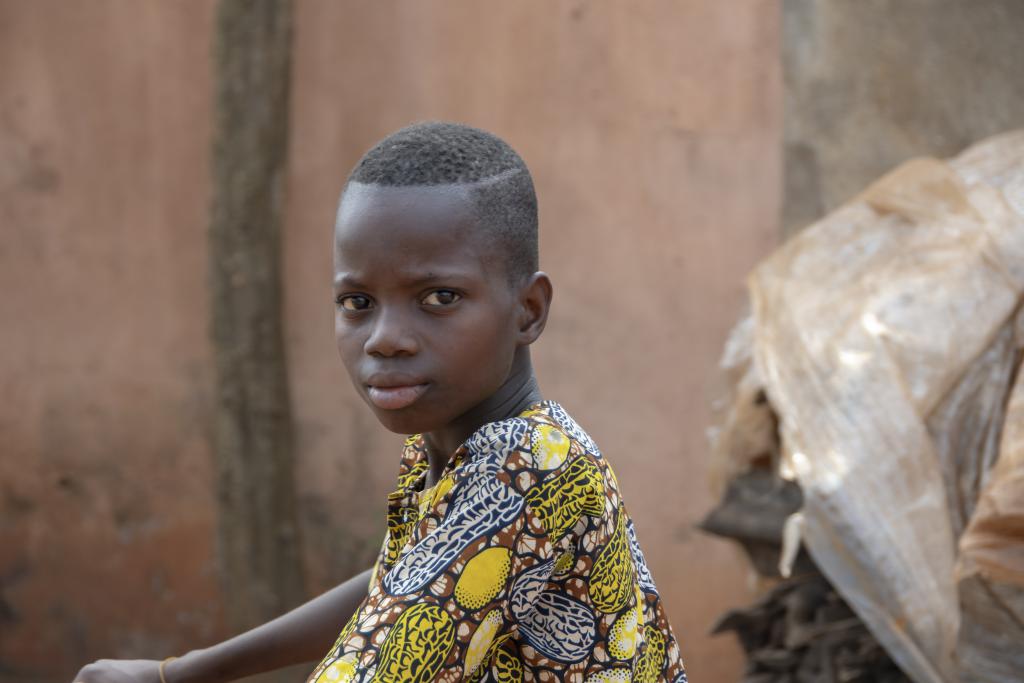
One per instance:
(520, 564)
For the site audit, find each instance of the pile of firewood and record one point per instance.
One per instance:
(801, 631)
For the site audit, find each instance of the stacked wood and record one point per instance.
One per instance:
(801, 630)
(752, 512)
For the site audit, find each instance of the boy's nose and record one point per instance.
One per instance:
(390, 336)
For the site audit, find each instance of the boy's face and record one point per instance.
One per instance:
(426, 321)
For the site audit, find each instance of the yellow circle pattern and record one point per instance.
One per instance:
(624, 635)
(549, 446)
(340, 671)
(483, 577)
(609, 676)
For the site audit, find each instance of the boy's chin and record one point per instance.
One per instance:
(404, 421)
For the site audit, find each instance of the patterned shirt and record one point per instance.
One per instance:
(520, 564)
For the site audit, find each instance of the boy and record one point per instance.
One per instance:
(509, 555)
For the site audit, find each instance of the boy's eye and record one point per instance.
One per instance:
(353, 302)
(441, 297)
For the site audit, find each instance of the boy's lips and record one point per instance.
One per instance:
(396, 396)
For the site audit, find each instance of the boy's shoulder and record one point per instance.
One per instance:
(545, 457)
(542, 437)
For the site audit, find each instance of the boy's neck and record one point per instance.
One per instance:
(518, 393)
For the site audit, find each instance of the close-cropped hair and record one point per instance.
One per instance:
(498, 181)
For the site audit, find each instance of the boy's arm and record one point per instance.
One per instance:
(302, 635)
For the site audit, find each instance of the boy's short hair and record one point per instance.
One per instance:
(499, 183)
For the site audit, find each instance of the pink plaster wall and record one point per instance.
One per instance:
(652, 130)
(106, 514)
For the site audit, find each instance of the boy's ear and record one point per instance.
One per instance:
(534, 302)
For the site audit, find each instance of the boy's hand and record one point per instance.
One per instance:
(302, 635)
(120, 671)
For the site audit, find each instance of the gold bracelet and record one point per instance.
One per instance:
(163, 679)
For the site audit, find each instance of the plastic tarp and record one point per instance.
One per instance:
(887, 338)
(990, 567)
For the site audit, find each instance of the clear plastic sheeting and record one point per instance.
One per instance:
(887, 338)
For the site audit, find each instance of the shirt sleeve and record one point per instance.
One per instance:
(483, 549)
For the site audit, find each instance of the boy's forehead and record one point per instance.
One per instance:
(428, 205)
(426, 226)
